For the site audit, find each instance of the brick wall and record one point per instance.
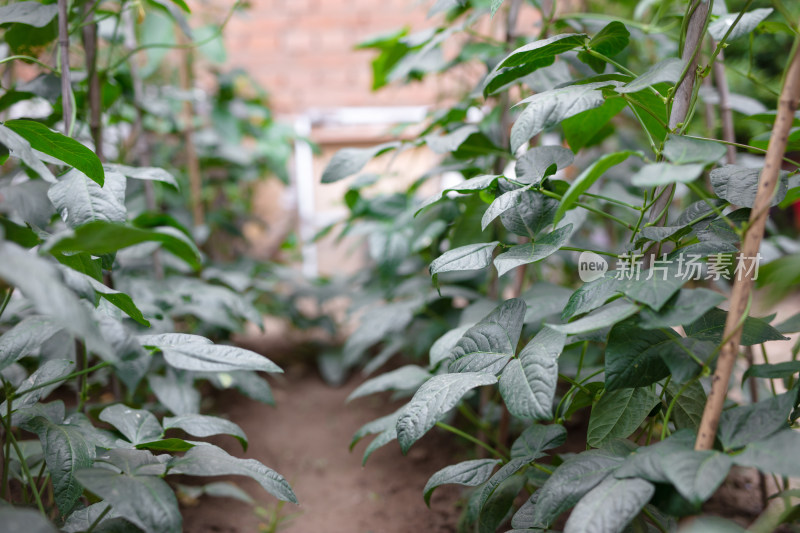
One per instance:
(302, 51)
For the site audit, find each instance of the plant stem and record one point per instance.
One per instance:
(23, 464)
(470, 438)
(725, 112)
(672, 406)
(589, 208)
(679, 100)
(65, 378)
(29, 59)
(66, 89)
(599, 252)
(742, 285)
(740, 145)
(6, 300)
(612, 200)
(98, 519)
(7, 429)
(94, 97)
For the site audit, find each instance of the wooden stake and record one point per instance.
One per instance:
(192, 162)
(742, 285)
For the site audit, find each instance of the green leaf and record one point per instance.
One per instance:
(65, 452)
(176, 392)
(135, 462)
(665, 173)
(689, 406)
(25, 338)
(488, 345)
(384, 438)
(120, 300)
(683, 150)
(609, 41)
(467, 473)
(408, 377)
(790, 325)
(544, 299)
(776, 454)
(53, 370)
(40, 282)
(205, 426)
(739, 185)
(433, 399)
(30, 13)
(666, 71)
(378, 425)
(538, 438)
(634, 356)
(146, 501)
(81, 519)
(572, 480)
(584, 129)
(469, 257)
(348, 161)
(771, 371)
(682, 357)
(747, 423)
(527, 59)
(166, 445)
(541, 161)
(711, 326)
(682, 308)
(207, 460)
(143, 173)
(746, 24)
(247, 382)
(495, 6)
(587, 178)
(444, 144)
(695, 474)
(610, 506)
(528, 382)
(529, 214)
(591, 295)
(605, 316)
(619, 413)
(20, 148)
(547, 109)
(101, 238)
(25, 519)
(476, 505)
(137, 425)
(477, 183)
(59, 146)
(499, 504)
(440, 350)
(501, 204)
(655, 286)
(206, 357)
(80, 200)
(524, 254)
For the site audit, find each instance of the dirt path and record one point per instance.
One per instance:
(306, 439)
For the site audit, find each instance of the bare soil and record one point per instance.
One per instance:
(306, 438)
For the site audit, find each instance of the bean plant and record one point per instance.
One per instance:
(103, 291)
(591, 264)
